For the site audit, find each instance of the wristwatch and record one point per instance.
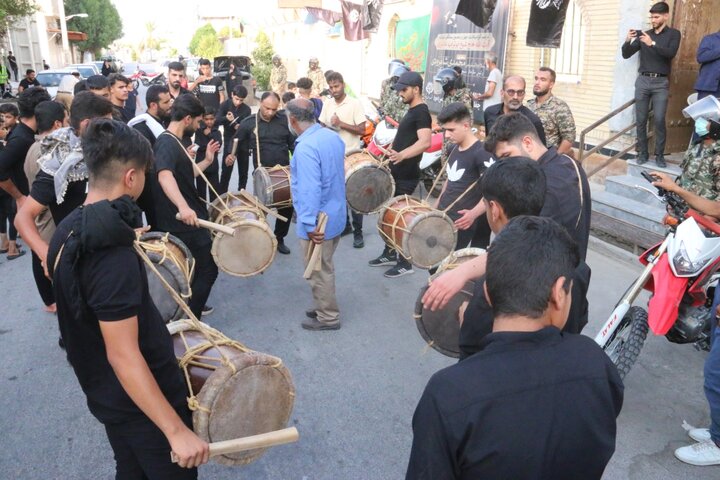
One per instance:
(653, 43)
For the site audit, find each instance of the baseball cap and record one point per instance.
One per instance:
(660, 7)
(408, 79)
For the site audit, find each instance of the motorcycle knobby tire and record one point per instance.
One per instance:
(636, 319)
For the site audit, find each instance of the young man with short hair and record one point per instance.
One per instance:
(305, 90)
(231, 113)
(116, 341)
(412, 139)
(151, 123)
(176, 75)
(9, 114)
(555, 115)
(209, 89)
(28, 81)
(98, 84)
(176, 171)
(118, 85)
(534, 402)
(208, 132)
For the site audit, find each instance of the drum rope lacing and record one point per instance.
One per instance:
(399, 215)
(285, 181)
(187, 266)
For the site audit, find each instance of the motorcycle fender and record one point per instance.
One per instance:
(668, 292)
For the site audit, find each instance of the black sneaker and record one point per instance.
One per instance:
(642, 158)
(348, 230)
(282, 248)
(315, 324)
(660, 161)
(399, 271)
(358, 241)
(207, 310)
(383, 260)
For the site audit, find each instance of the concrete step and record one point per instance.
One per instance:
(628, 211)
(627, 186)
(634, 169)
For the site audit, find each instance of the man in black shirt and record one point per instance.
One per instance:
(152, 123)
(118, 96)
(231, 113)
(657, 48)
(276, 144)
(207, 133)
(512, 94)
(176, 74)
(116, 341)
(534, 402)
(28, 81)
(462, 191)
(59, 150)
(13, 64)
(412, 139)
(12, 157)
(176, 193)
(210, 90)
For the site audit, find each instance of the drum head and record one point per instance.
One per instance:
(249, 252)
(173, 273)
(262, 186)
(441, 328)
(432, 237)
(369, 188)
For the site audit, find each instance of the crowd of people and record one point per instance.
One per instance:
(88, 171)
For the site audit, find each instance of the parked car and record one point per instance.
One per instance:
(191, 70)
(243, 65)
(50, 79)
(86, 69)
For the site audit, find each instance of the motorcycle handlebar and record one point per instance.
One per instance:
(704, 222)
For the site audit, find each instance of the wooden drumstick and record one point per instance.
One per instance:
(316, 249)
(212, 226)
(251, 198)
(234, 147)
(264, 440)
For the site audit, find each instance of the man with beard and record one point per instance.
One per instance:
(231, 113)
(555, 115)
(315, 74)
(118, 96)
(28, 81)
(151, 123)
(275, 142)
(178, 194)
(512, 94)
(412, 139)
(176, 75)
(278, 76)
(209, 89)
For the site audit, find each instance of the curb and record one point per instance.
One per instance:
(604, 248)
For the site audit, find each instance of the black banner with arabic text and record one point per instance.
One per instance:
(547, 18)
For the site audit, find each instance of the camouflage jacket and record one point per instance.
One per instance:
(318, 79)
(701, 171)
(390, 102)
(556, 118)
(461, 95)
(278, 79)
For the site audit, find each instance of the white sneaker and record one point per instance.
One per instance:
(701, 454)
(700, 434)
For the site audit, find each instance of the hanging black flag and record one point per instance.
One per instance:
(547, 18)
(478, 12)
(371, 14)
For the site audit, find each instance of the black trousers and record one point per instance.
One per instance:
(143, 453)
(477, 236)
(8, 209)
(206, 271)
(243, 164)
(402, 187)
(354, 219)
(202, 187)
(44, 286)
(282, 228)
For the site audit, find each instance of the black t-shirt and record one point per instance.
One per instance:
(108, 285)
(25, 83)
(463, 169)
(240, 113)
(43, 192)
(12, 157)
(209, 92)
(182, 91)
(276, 141)
(202, 140)
(536, 405)
(415, 119)
(497, 111)
(170, 155)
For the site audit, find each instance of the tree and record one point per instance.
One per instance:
(226, 33)
(209, 47)
(13, 10)
(151, 42)
(102, 25)
(262, 60)
(206, 31)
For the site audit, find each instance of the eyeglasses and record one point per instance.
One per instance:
(513, 93)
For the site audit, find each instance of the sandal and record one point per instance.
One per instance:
(17, 255)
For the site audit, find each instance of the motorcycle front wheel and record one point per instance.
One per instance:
(626, 343)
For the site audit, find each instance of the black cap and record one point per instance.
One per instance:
(408, 79)
(660, 7)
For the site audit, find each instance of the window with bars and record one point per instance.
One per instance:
(567, 61)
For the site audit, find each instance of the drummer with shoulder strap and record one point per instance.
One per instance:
(116, 341)
(266, 134)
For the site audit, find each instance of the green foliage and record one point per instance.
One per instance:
(262, 60)
(209, 47)
(225, 33)
(206, 31)
(102, 25)
(13, 10)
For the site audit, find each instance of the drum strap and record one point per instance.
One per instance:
(257, 139)
(187, 266)
(580, 189)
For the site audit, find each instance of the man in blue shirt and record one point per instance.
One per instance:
(317, 173)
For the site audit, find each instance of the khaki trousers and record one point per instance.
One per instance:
(322, 282)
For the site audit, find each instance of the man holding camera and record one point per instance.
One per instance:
(657, 48)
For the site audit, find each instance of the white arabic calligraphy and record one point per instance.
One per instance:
(543, 4)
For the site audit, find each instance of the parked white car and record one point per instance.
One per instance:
(86, 69)
(50, 79)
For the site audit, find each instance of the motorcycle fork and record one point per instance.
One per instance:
(612, 323)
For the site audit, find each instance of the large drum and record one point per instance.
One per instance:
(233, 391)
(272, 186)
(441, 328)
(368, 184)
(419, 232)
(176, 265)
(252, 249)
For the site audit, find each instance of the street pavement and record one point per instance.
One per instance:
(356, 388)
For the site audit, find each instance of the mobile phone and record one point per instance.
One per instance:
(638, 32)
(194, 148)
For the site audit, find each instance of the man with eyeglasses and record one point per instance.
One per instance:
(512, 94)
